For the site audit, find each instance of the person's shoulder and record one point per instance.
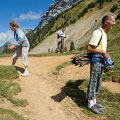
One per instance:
(97, 31)
(59, 31)
(20, 32)
(18, 29)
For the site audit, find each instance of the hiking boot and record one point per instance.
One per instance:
(98, 105)
(26, 73)
(95, 110)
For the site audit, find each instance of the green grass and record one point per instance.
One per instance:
(67, 17)
(42, 54)
(6, 55)
(10, 115)
(84, 46)
(8, 89)
(55, 73)
(50, 54)
(76, 90)
(7, 72)
(58, 68)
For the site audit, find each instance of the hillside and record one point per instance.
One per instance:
(56, 97)
(57, 7)
(59, 91)
(79, 21)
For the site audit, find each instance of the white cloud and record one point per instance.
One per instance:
(5, 37)
(29, 16)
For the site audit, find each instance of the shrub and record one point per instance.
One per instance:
(114, 8)
(72, 46)
(91, 5)
(6, 50)
(118, 16)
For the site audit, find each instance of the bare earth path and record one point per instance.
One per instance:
(39, 87)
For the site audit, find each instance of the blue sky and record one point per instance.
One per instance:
(26, 12)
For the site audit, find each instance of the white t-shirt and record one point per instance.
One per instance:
(96, 37)
(61, 33)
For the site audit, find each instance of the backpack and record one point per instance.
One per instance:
(90, 55)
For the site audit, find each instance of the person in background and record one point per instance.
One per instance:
(108, 21)
(21, 46)
(60, 43)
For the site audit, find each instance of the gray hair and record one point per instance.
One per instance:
(107, 17)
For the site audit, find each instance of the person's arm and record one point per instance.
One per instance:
(19, 38)
(93, 49)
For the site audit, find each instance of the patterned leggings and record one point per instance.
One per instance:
(95, 80)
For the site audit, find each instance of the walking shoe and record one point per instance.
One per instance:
(98, 105)
(95, 110)
(26, 73)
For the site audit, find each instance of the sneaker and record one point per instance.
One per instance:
(95, 110)
(98, 105)
(25, 74)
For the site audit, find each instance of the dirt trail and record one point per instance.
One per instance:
(39, 87)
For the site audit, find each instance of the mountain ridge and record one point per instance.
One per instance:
(79, 32)
(57, 7)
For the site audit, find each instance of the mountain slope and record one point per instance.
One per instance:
(79, 32)
(57, 7)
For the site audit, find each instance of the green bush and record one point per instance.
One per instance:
(72, 46)
(118, 16)
(6, 50)
(114, 8)
(91, 5)
(108, 0)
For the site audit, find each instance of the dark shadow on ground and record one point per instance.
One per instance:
(73, 90)
(19, 69)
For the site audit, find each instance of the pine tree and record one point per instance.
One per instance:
(72, 46)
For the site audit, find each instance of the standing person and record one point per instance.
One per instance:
(61, 36)
(21, 46)
(95, 67)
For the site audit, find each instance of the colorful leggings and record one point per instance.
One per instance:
(95, 80)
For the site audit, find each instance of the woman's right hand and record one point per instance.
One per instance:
(12, 47)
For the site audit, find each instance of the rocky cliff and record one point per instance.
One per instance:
(27, 31)
(57, 7)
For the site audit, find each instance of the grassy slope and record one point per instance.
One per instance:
(70, 15)
(78, 32)
(8, 89)
(114, 51)
(64, 19)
